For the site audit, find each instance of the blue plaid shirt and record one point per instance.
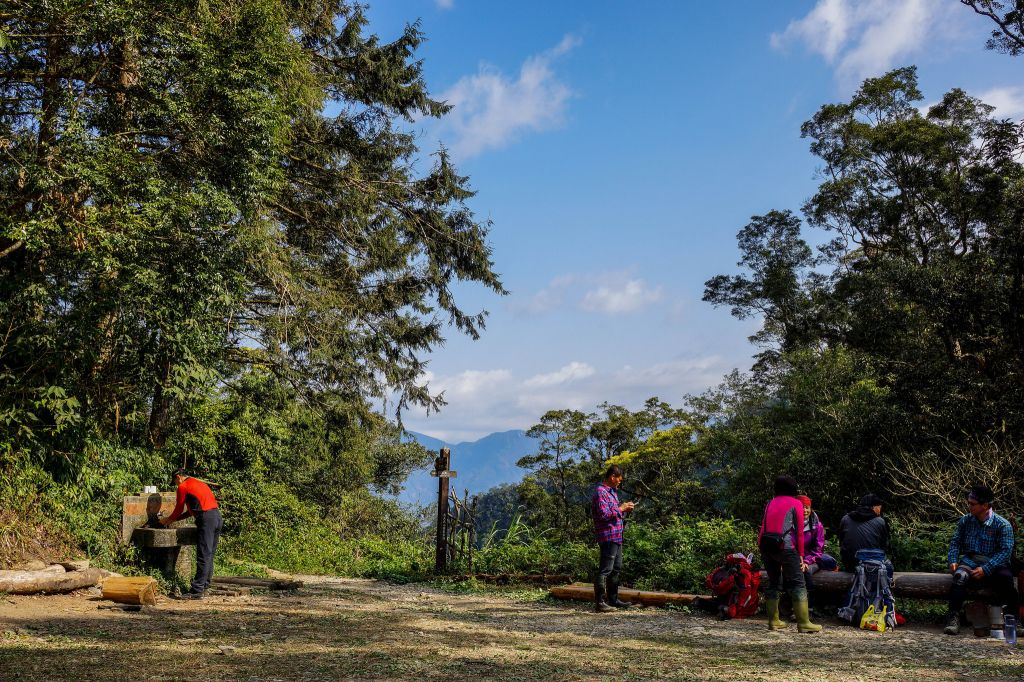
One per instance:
(993, 539)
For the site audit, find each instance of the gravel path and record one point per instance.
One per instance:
(336, 628)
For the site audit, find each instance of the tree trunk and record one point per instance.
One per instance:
(51, 579)
(130, 590)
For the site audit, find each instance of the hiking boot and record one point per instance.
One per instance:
(602, 607)
(618, 603)
(191, 595)
(952, 625)
(803, 618)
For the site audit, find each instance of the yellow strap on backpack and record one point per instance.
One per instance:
(873, 620)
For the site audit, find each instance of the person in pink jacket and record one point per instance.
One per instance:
(781, 541)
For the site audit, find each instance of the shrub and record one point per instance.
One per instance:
(678, 556)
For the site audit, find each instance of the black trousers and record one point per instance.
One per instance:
(1004, 592)
(608, 571)
(783, 571)
(209, 525)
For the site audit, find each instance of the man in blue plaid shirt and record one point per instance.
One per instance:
(608, 513)
(979, 556)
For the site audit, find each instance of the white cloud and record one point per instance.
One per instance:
(1008, 101)
(494, 400)
(571, 372)
(628, 297)
(491, 109)
(444, 4)
(547, 299)
(824, 30)
(864, 38)
(469, 384)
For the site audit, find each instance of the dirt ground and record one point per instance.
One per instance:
(344, 629)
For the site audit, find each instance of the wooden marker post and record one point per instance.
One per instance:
(443, 473)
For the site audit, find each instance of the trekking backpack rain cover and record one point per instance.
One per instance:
(735, 583)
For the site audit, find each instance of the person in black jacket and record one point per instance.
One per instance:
(863, 528)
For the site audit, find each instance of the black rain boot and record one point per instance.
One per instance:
(613, 596)
(599, 604)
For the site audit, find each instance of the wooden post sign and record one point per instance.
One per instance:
(442, 470)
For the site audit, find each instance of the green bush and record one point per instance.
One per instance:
(267, 524)
(919, 547)
(678, 556)
(523, 550)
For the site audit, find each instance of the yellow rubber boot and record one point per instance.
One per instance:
(801, 610)
(771, 607)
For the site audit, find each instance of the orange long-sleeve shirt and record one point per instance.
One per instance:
(197, 495)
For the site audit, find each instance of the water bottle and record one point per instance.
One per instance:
(1010, 629)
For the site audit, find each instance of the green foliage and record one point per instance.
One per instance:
(920, 547)
(524, 550)
(218, 248)
(269, 525)
(679, 555)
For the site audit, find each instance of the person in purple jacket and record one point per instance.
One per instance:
(608, 512)
(814, 544)
(781, 542)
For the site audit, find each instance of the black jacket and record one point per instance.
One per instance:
(862, 529)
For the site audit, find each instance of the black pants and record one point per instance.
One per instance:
(209, 524)
(783, 572)
(609, 569)
(1000, 582)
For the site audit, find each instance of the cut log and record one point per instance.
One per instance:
(265, 583)
(49, 580)
(130, 590)
(585, 592)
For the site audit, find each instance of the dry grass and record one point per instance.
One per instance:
(22, 539)
(366, 630)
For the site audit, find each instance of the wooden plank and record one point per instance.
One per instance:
(585, 592)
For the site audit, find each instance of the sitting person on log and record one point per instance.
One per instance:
(781, 542)
(814, 544)
(863, 528)
(979, 556)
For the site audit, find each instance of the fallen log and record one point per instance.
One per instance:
(585, 592)
(49, 580)
(266, 583)
(911, 584)
(130, 590)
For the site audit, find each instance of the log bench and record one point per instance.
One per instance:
(914, 585)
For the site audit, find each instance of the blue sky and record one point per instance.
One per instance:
(618, 148)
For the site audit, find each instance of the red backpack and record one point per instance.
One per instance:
(735, 584)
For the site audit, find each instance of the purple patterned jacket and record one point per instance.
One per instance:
(604, 506)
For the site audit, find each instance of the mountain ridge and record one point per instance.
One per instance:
(480, 464)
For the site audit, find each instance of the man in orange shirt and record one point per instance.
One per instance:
(196, 498)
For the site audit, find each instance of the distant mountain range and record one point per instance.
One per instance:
(480, 465)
